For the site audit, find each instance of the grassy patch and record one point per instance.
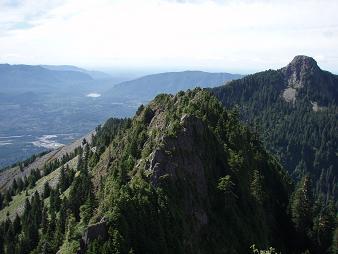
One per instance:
(16, 206)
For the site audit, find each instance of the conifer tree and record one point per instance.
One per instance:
(1, 201)
(46, 190)
(16, 225)
(302, 211)
(257, 186)
(14, 187)
(44, 221)
(63, 180)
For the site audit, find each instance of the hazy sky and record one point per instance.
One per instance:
(234, 36)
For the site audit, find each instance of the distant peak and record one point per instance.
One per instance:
(297, 74)
(300, 67)
(303, 63)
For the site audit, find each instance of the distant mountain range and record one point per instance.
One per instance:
(23, 78)
(94, 74)
(145, 88)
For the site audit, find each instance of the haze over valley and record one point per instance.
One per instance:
(66, 102)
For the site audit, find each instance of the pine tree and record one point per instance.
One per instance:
(324, 226)
(14, 187)
(63, 215)
(63, 180)
(44, 221)
(7, 198)
(54, 201)
(20, 184)
(302, 203)
(17, 225)
(226, 185)
(257, 187)
(302, 210)
(46, 190)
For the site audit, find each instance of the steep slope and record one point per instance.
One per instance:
(183, 176)
(295, 111)
(166, 190)
(186, 177)
(147, 87)
(37, 162)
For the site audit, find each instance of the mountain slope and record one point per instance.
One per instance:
(182, 176)
(147, 87)
(295, 111)
(186, 177)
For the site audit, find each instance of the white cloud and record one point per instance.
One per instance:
(223, 35)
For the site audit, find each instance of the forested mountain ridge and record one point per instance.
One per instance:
(295, 111)
(183, 176)
(171, 193)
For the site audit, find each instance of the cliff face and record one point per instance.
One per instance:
(186, 177)
(303, 78)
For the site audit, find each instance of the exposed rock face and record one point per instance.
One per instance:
(181, 160)
(289, 94)
(296, 74)
(94, 231)
(316, 107)
(181, 155)
(302, 64)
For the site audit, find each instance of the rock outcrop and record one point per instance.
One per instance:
(96, 231)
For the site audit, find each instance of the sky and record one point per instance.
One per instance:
(240, 36)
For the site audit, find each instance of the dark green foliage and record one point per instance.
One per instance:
(46, 190)
(246, 190)
(302, 136)
(81, 189)
(7, 197)
(63, 184)
(324, 226)
(303, 139)
(42, 230)
(104, 135)
(54, 201)
(183, 176)
(301, 211)
(26, 162)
